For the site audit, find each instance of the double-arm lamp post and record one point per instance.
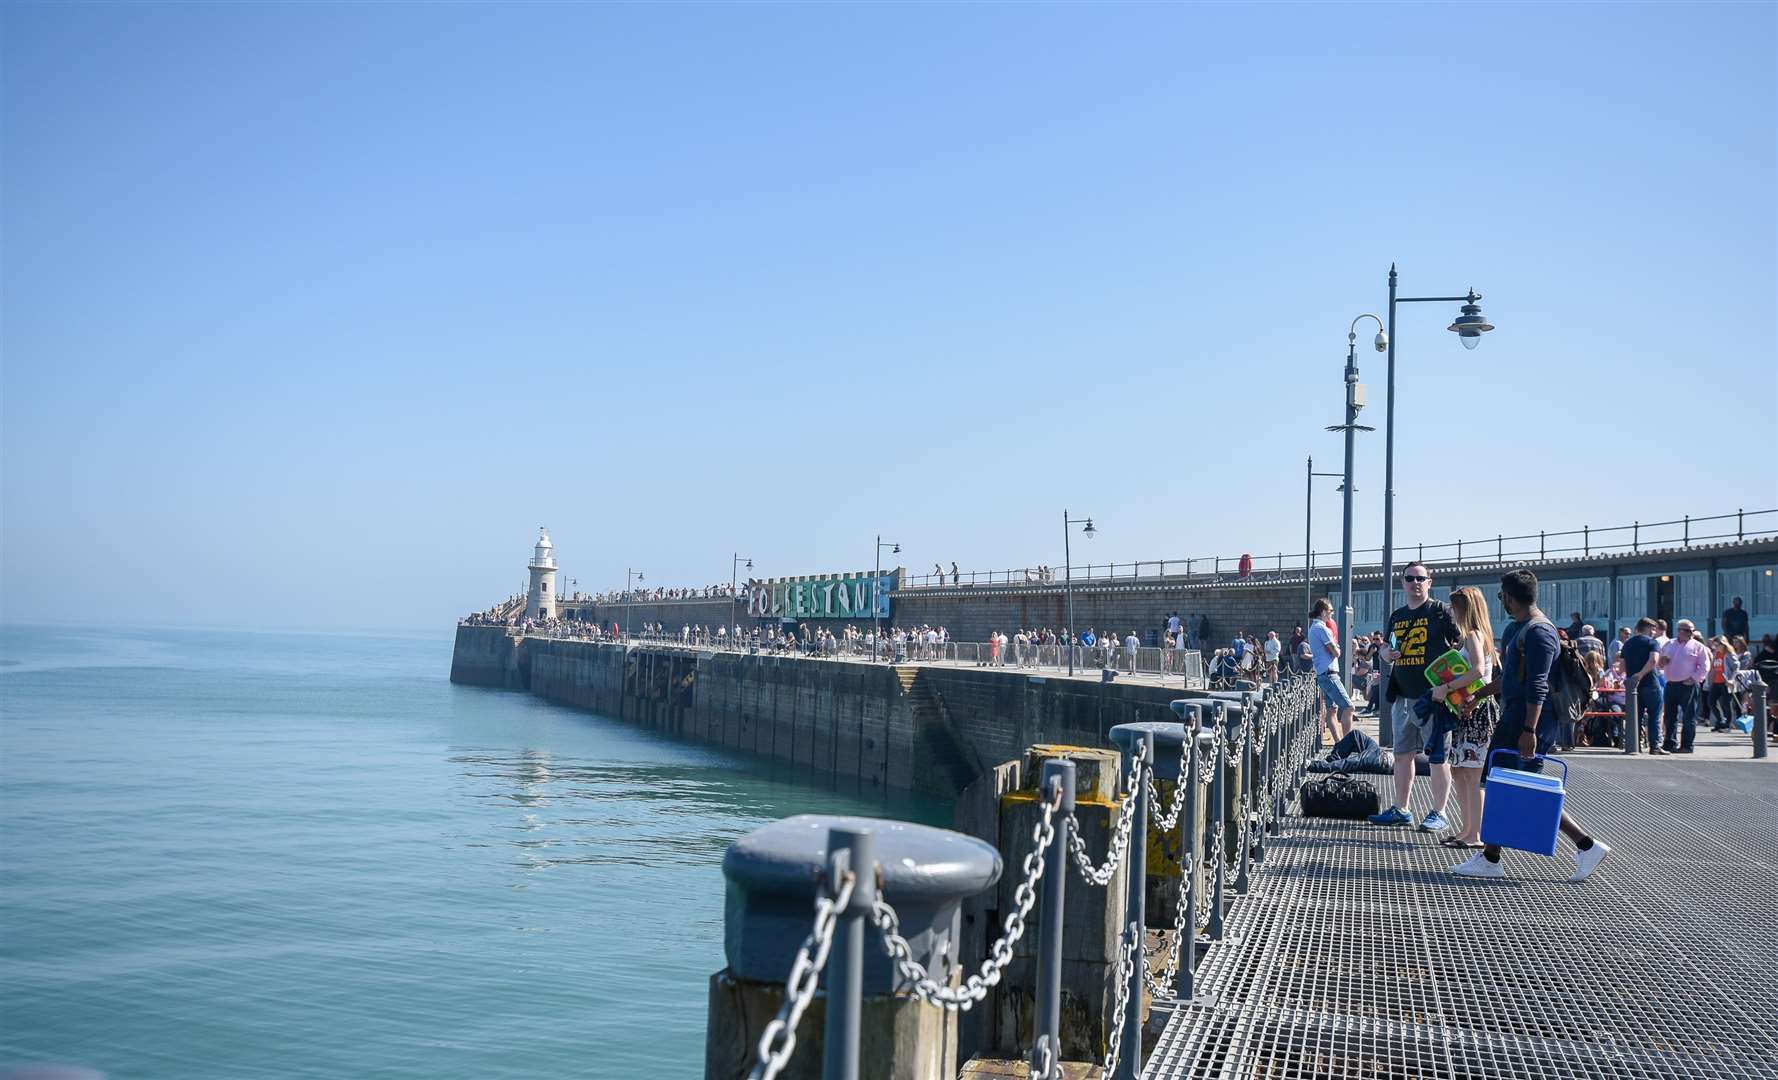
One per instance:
(876, 588)
(1354, 402)
(1469, 326)
(1070, 632)
(734, 581)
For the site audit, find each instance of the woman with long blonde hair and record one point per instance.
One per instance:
(1475, 719)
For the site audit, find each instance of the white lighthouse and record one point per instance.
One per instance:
(540, 602)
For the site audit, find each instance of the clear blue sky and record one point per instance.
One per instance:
(312, 313)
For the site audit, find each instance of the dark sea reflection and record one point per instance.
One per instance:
(251, 855)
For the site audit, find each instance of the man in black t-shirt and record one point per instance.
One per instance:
(1421, 632)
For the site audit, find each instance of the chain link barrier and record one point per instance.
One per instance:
(1121, 1003)
(1283, 723)
(778, 1041)
(1120, 837)
(976, 987)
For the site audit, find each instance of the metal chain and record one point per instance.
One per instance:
(778, 1041)
(1121, 1004)
(976, 987)
(1120, 837)
(1166, 822)
(1048, 1070)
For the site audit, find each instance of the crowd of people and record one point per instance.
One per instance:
(1532, 690)
(641, 596)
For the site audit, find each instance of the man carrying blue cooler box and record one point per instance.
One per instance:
(1528, 649)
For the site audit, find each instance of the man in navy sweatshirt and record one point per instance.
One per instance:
(1528, 649)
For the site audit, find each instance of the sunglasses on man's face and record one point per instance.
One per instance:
(1415, 577)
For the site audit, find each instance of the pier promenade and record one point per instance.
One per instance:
(1357, 954)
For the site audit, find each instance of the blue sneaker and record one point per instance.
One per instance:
(1434, 822)
(1391, 816)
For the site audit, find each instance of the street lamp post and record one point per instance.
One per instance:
(1354, 402)
(628, 601)
(1469, 326)
(1070, 631)
(1309, 536)
(876, 588)
(734, 580)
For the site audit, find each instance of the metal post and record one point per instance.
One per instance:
(1057, 774)
(848, 850)
(1351, 427)
(1388, 470)
(1247, 792)
(1632, 722)
(1068, 584)
(1308, 540)
(1130, 1059)
(1218, 778)
(1759, 719)
(1192, 844)
(1586, 539)
(1688, 530)
(1739, 533)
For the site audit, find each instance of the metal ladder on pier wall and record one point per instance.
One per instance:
(943, 759)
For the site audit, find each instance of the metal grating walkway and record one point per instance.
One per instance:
(1359, 956)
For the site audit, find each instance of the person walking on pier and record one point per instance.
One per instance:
(1528, 650)
(1423, 631)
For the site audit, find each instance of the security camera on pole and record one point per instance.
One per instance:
(1354, 402)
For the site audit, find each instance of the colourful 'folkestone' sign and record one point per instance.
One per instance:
(849, 597)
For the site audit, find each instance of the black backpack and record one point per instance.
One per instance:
(1571, 684)
(1339, 796)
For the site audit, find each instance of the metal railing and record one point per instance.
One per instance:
(1263, 747)
(1583, 542)
(1188, 664)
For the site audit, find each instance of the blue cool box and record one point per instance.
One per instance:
(1524, 809)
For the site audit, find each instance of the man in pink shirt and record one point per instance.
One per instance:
(1686, 664)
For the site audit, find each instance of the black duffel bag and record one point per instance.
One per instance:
(1339, 796)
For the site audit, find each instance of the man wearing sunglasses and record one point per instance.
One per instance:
(1422, 631)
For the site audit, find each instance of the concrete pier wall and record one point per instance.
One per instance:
(931, 729)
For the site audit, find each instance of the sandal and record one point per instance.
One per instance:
(1457, 842)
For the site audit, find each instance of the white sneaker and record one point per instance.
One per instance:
(1585, 862)
(1479, 866)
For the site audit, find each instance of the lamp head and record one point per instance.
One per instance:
(1089, 530)
(1382, 341)
(896, 550)
(749, 564)
(1470, 324)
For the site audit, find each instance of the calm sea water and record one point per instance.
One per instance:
(239, 855)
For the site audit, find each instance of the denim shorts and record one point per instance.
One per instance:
(1333, 694)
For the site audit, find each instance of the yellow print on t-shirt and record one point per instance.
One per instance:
(1411, 637)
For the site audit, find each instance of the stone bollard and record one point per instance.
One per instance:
(1089, 946)
(772, 872)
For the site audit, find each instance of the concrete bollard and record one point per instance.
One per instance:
(772, 875)
(1005, 1027)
